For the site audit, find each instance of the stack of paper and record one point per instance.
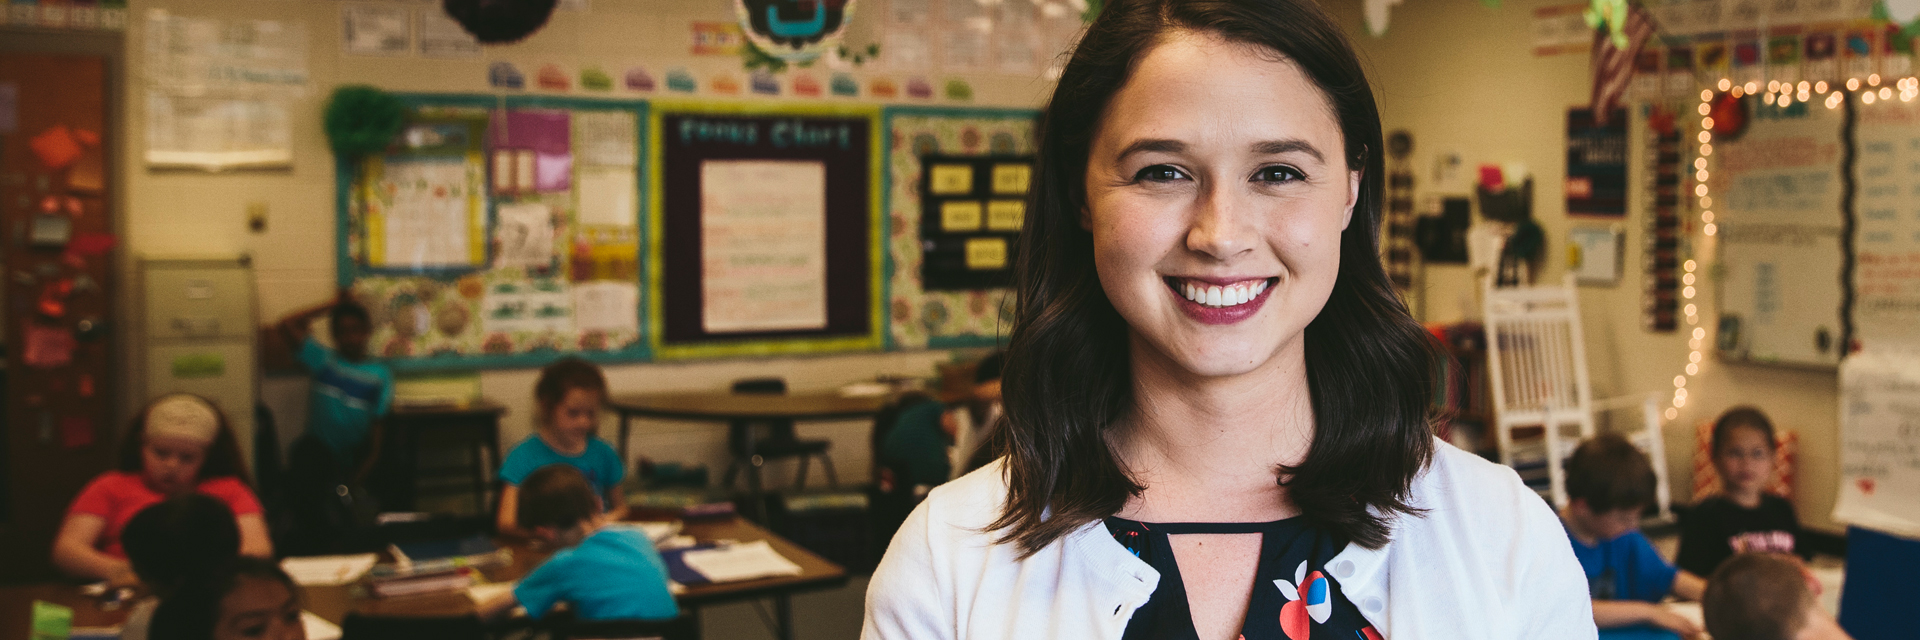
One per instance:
(746, 561)
(328, 570)
(659, 531)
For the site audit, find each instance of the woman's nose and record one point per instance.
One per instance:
(1220, 228)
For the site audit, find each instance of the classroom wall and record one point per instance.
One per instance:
(1462, 78)
(190, 212)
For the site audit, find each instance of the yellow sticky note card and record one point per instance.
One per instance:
(963, 215)
(952, 179)
(1006, 215)
(1011, 178)
(987, 253)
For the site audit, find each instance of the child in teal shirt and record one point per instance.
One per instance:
(602, 571)
(569, 392)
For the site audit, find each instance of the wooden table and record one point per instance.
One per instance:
(726, 408)
(334, 603)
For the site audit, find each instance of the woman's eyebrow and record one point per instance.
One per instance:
(1145, 145)
(1293, 145)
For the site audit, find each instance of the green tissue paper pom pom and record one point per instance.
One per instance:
(362, 120)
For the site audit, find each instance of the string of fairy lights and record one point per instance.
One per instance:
(1777, 94)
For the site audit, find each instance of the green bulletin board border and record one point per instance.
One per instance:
(886, 190)
(346, 173)
(878, 261)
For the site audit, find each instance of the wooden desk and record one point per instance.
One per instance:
(475, 422)
(333, 603)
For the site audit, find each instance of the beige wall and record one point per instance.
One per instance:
(178, 212)
(1462, 79)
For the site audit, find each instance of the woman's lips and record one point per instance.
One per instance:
(1214, 302)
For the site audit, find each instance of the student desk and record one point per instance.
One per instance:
(333, 603)
(724, 407)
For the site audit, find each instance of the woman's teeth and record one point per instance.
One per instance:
(1218, 296)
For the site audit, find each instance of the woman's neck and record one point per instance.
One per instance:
(1207, 448)
(561, 444)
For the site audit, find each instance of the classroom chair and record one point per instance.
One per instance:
(562, 626)
(754, 442)
(363, 627)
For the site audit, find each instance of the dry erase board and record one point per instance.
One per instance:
(1779, 189)
(920, 317)
(499, 232)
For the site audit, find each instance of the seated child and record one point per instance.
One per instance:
(244, 598)
(603, 571)
(1609, 483)
(179, 444)
(916, 449)
(172, 541)
(569, 393)
(1744, 516)
(1766, 596)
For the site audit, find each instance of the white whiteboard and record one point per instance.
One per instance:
(1886, 278)
(1880, 442)
(1779, 235)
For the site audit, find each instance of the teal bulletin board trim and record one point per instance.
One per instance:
(886, 231)
(655, 320)
(347, 270)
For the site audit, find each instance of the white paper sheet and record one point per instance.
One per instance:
(738, 562)
(607, 196)
(371, 29)
(429, 221)
(523, 235)
(328, 570)
(605, 138)
(481, 593)
(607, 306)
(763, 232)
(537, 307)
(441, 37)
(1880, 442)
(319, 628)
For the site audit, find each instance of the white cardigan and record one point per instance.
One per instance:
(1487, 560)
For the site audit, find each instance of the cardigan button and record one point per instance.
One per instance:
(1373, 604)
(1343, 569)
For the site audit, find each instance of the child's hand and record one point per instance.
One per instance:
(1666, 619)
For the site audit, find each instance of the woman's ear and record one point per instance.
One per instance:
(1353, 195)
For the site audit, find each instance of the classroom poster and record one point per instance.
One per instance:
(763, 234)
(1880, 442)
(920, 318)
(1596, 164)
(1886, 234)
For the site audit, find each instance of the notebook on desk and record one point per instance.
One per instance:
(710, 563)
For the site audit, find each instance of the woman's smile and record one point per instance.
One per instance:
(1219, 300)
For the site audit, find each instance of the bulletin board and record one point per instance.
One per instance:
(1780, 224)
(499, 231)
(765, 229)
(919, 318)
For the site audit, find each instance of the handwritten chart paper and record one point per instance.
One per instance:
(1886, 305)
(763, 234)
(1779, 231)
(1880, 442)
(428, 214)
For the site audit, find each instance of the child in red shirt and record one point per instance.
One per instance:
(179, 444)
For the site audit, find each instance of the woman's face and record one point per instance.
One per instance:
(1217, 188)
(259, 609)
(172, 464)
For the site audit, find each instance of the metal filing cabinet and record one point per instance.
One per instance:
(199, 335)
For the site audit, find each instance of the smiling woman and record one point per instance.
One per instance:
(1211, 388)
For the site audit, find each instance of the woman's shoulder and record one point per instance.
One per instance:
(969, 503)
(1466, 493)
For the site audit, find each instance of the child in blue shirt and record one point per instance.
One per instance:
(569, 393)
(603, 571)
(1609, 483)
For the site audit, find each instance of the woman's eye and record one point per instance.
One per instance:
(1278, 173)
(1160, 173)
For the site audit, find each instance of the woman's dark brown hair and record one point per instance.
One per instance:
(223, 458)
(1369, 364)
